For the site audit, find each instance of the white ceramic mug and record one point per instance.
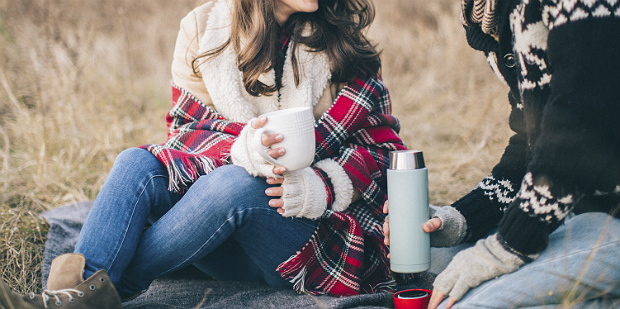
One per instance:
(297, 128)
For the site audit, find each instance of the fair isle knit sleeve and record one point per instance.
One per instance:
(577, 150)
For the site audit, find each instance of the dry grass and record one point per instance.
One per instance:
(82, 80)
(21, 241)
(79, 82)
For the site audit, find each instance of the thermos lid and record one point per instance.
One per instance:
(406, 160)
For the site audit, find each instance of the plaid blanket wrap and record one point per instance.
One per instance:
(346, 254)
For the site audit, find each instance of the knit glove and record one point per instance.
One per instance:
(242, 153)
(453, 226)
(471, 267)
(310, 191)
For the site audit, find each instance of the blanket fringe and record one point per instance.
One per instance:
(299, 281)
(387, 286)
(182, 176)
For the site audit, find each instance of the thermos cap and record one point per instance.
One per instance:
(406, 160)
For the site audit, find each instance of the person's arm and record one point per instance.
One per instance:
(576, 153)
(578, 149)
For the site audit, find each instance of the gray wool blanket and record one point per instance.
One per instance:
(189, 288)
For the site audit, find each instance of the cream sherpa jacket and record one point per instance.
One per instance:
(219, 85)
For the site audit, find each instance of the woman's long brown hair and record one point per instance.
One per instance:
(337, 28)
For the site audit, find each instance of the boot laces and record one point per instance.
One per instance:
(48, 295)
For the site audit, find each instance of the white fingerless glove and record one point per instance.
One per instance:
(471, 267)
(242, 153)
(305, 193)
(453, 226)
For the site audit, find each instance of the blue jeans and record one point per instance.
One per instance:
(580, 268)
(222, 224)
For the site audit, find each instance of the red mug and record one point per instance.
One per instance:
(412, 299)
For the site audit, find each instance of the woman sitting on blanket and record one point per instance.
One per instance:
(212, 201)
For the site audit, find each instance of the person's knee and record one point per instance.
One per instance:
(133, 158)
(134, 155)
(229, 179)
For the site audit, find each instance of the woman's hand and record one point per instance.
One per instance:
(277, 203)
(429, 226)
(244, 152)
(300, 194)
(269, 139)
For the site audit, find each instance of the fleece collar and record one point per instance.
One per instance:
(224, 80)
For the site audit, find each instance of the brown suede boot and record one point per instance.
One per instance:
(66, 289)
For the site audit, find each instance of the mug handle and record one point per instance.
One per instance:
(258, 146)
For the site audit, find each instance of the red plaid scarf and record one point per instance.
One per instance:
(346, 254)
(199, 140)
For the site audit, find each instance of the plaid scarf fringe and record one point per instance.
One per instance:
(199, 140)
(183, 171)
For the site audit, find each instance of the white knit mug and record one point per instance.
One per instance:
(297, 128)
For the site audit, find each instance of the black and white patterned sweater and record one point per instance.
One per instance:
(561, 61)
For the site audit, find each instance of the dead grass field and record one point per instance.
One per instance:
(81, 80)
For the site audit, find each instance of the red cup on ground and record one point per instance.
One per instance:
(412, 299)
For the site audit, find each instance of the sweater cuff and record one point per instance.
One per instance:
(342, 185)
(528, 221)
(243, 154)
(303, 194)
(453, 226)
(523, 234)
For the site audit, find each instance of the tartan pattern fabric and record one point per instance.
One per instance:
(346, 254)
(329, 187)
(199, 140)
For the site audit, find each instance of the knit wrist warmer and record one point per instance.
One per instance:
(342, 186)
(523, 233)
(243, 154)
(304, 194)
(453, 226)
(469, 268)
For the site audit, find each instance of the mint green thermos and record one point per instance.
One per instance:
(407, 179)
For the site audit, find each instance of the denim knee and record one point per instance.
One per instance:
(231, 179)
(136, 170)
(137, 158)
